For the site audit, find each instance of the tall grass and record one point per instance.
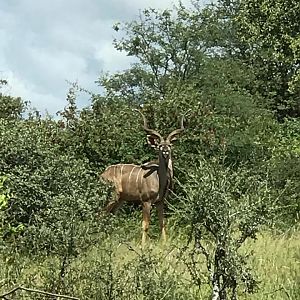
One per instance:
(112, 269)
(276, 261)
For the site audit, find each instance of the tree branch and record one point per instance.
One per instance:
(3, 296)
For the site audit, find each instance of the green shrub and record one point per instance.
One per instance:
(222, 209)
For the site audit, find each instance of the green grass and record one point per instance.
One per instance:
(122, 270)
(276, 262)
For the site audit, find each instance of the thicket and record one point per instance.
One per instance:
(236, 165)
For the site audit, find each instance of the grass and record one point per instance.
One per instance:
(276, 261)
(122, 270)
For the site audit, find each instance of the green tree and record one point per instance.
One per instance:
(168, 46)
(264, 34)
(10, 107)
(223, 208)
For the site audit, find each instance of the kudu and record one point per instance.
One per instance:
(146, 184)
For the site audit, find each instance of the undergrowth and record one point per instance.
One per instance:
(115, 269)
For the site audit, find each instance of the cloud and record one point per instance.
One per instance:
(41, 101)
(42, 45)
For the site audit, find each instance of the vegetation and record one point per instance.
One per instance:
(234, 212)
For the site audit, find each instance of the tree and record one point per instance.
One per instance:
(222, 209)
(10, 107)
(169, 48)
(264, 34)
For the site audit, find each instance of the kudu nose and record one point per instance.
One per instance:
(165, 154)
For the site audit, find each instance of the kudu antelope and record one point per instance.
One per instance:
(146, 184)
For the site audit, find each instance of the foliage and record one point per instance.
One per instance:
(50, 190)
(4, 196)
(10, 107)
(264, 35)
(283, 170)
(229, 66)
(168, 47)
(224, 208)
(111, 270)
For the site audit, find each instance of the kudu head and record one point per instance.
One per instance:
(163, 145)
(156, 141)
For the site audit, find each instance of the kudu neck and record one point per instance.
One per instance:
(165, 163)
(165, 174)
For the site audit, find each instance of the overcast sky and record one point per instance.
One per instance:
(44, 44)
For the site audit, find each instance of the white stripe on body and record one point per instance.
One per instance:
(137, 183)
(122, 167)
(131, 174)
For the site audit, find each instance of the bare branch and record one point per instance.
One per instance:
(3, 296)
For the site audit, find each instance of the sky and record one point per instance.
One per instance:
(46, 44)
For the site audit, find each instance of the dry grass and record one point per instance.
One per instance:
(275, 259)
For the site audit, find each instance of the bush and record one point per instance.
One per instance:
(50, 189)
(222, 209)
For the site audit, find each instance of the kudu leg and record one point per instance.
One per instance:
(161, 219)
(146, 221)
(114, 204)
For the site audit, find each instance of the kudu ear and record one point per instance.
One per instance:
(153, 141)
